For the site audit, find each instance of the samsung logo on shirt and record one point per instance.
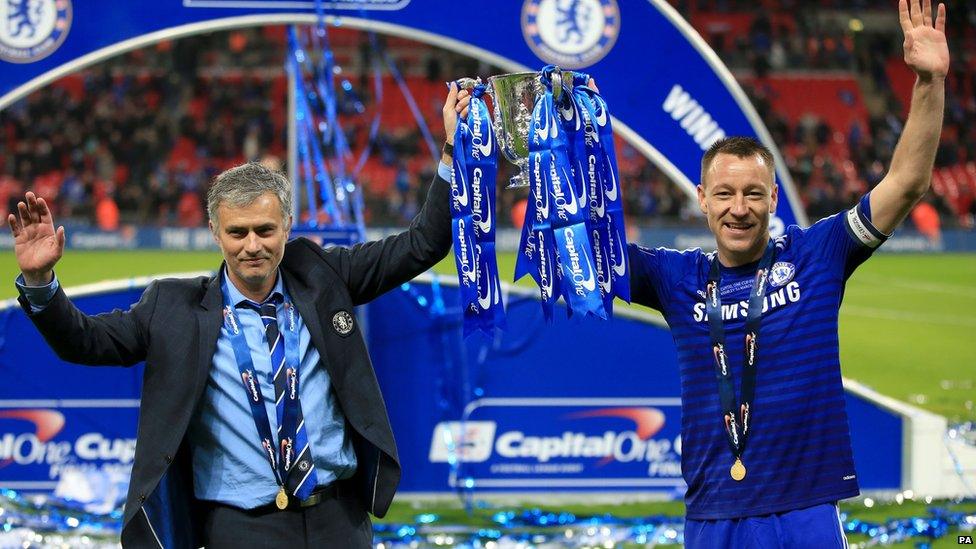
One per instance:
(731, 311)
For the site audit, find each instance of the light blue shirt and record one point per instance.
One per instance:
(38, 296)
(229, 464)
(444, 171)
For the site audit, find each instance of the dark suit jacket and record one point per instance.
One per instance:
(174, 329)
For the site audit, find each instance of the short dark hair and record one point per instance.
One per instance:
(741, 147)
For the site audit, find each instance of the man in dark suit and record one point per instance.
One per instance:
(225, 455)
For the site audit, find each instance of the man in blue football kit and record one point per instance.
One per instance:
(766, 449)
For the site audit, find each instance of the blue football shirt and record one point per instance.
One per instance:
(799, 451)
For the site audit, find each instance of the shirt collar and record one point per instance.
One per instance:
(237, 298)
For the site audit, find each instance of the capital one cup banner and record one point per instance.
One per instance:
(539, 415)
(671, 96)
(60, 420)
(40, 444)
(547, 409)
(564, 442)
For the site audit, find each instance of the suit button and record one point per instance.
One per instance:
(142, 498)
(168, 458)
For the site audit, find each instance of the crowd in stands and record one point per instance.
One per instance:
(136, 139)
(842, 60)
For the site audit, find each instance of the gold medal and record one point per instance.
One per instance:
(281, 500)
(738, 470)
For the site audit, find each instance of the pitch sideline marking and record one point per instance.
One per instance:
(956, 290)
(892, 314)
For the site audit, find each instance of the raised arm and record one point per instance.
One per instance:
(373, 268)
(910, 173)
(115, 338)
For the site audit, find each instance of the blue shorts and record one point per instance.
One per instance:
(816, 527)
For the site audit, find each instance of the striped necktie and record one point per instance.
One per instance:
(301, 478)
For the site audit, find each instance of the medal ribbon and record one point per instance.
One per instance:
(288, 414)
(736, 418)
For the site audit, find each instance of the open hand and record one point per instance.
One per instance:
(37, 245)
(926, 49)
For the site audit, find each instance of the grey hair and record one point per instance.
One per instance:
(242, 185)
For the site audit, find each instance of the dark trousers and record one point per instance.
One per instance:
(340, 522)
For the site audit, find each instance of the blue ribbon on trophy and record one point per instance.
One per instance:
(596, 160)
(462, 224)
(615, 237)
(538, 243)
(587, 167)
(481, 164)
(473, 215)
(556, 130)
(537, 202)
(568, 198)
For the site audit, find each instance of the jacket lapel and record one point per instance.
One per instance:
(209, 318)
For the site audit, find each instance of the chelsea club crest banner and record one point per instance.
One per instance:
(671, 94)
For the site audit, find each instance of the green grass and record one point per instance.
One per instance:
(83, 267)
(907, 328)
(906, 324)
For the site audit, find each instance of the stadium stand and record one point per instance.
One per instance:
(146, 131)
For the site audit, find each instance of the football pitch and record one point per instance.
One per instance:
(906, 324)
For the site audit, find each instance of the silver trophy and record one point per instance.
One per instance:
(513, 97)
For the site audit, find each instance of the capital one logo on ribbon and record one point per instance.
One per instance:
(580, 269)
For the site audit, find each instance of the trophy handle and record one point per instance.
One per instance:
(467, 83)
(561, 80)
(556, 78)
